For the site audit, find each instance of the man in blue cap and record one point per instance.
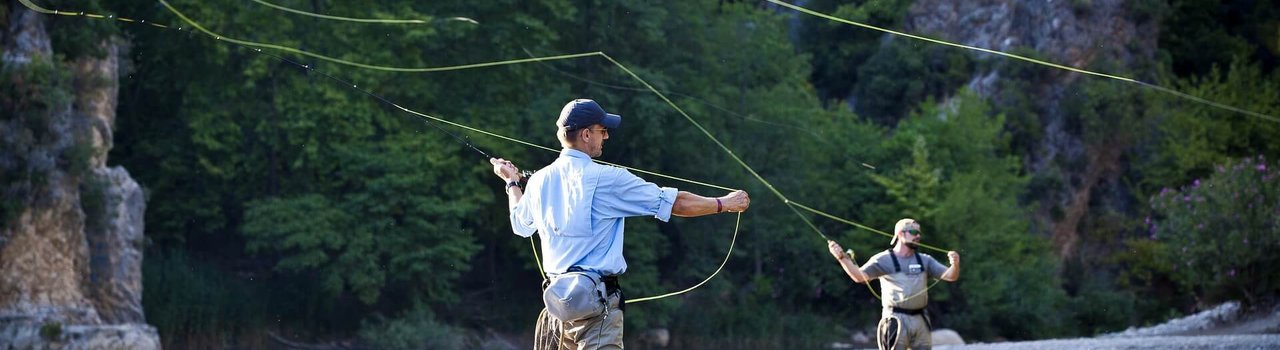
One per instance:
(578, 207)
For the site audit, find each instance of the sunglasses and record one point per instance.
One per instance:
(912, 231)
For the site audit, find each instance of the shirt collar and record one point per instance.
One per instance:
(569, 152)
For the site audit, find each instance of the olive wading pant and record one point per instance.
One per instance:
(602, 332)
(901, 331)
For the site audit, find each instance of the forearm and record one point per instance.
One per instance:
(511, 176)
(513, 197)
(852, 270)
(952, 274)
(690, 205)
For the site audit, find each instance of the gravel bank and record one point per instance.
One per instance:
(1174, 342)
(1223, 327)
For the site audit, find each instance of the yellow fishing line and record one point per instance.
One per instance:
(258, 46)
(357, 64)
(855, 224)
(733, 241)
(536, 59)
(340, 18)
(536, 259)
(1028, 59)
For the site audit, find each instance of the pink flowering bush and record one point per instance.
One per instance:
(1222, 234)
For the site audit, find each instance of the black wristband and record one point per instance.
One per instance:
(511, 184)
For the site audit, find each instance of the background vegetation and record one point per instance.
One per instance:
(280, 202)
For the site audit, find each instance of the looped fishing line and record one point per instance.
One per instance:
(257, 47)
(1028, 59)
(359, 20)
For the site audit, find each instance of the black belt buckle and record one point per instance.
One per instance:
(611, 286)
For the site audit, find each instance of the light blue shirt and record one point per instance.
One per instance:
(578, 206)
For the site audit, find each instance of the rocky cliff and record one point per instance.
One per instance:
(71, 228)
(1078, 33)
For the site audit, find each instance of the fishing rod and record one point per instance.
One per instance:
(310, 68)
(257, 48)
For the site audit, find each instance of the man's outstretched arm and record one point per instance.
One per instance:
(690, 205)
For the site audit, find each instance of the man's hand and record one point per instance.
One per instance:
(736, 201)
(836, 250)
(505, 170)
(954, 257)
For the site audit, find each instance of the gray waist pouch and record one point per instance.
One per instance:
(574, 296)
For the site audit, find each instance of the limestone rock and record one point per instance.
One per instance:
(946, 337)
(656, 337)
(861, 338)
(115, 247)
(50, 335)
(71, 251)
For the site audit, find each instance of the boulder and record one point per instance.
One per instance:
(946, 337)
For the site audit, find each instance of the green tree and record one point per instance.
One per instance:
(1202, 35)
(838, 50)
(1192, 137)
(904, 73)
(1007, 285)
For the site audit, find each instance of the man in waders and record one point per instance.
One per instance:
(578, 207)
(904, 276)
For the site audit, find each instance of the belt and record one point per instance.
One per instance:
(917, 312)
(611, 286)
(908, 311)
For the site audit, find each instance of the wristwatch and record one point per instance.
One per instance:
(511, 184)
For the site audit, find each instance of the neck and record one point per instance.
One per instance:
(902, 249)
(578, 148)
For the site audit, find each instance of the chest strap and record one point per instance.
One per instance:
(897, 267)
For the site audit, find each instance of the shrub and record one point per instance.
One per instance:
(51, 331)
(1221, 231)
(417, 329)
(195, 305)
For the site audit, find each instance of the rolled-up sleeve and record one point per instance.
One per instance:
(522, 220)
(872, 269)
(622, 194)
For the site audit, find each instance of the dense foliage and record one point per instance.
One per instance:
(1221, 232)
(282, 202)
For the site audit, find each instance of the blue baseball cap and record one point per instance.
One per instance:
(581, 113)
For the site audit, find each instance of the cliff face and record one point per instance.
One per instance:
(1074, 33)
(71, 235)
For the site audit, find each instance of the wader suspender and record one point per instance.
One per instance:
(927, 322)
(898, 268)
